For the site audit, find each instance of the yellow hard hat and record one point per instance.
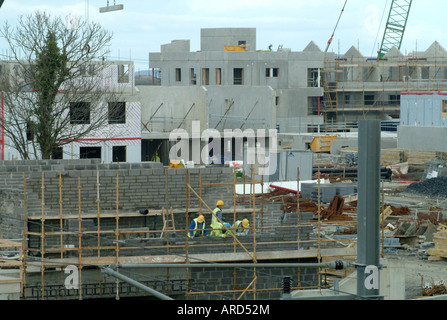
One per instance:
(200, 219)
(219, 203)
(245, 223)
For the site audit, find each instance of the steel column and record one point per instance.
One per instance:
(368, 207)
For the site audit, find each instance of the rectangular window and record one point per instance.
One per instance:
(178, 74)
(87, 70)
(312, 106)
(119, 153)
(218, 76)
(117, 112)
(91, 70)
(425, 73)
(57, 154)
(205, 76)
(276, 100)
(313, 78)
(394, 99)
(123, 73)
(79, 113)
(271, 72)
(29, 130)
(82, 69)
(193, 75)
(90, 152)
(238, 76)
(347, 98)
(368, 99)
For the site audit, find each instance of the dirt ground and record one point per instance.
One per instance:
(420, 272)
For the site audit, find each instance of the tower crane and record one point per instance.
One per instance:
(395, 26)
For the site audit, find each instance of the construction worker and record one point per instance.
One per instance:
(216, 223)
(270, 47)
(197, 228)
(156, 158)
(241, 227)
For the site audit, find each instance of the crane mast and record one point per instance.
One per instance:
(395, 26)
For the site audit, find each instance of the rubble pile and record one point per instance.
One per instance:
(434, 188)
(335, 210)
(288, 200)
(434, 290)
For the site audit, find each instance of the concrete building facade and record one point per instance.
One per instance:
(423, 124)
(357, 86)
(231, 85)
(117, 139)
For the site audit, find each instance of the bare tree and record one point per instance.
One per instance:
(58, 86)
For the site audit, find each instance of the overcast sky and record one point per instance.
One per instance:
(145, 25)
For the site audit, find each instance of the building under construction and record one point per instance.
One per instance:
(357, 86)
(88, 229)
(65, 216)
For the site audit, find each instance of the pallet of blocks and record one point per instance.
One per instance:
(440, 240)
(394, 155)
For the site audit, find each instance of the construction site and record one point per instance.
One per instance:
(106, 221)
(355, 193)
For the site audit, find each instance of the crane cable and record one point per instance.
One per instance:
(378, 30)
(333, 32)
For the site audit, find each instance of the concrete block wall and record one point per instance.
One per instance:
(144, 186)
(11, 216)
(199, 280)
(207, 280)
(140, 185)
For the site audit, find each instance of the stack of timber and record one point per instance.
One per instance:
(440, 240)
(392, 156)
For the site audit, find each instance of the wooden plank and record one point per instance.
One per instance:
(131, 214)
(385, 214)
(437, 252)
(350, 198)
(10, 244)
(198, 258)
(18, 280)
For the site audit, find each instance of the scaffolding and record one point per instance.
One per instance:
(355, 85)
(108, 243)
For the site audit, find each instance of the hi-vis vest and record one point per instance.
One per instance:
(214, 220)
(195, 229)
(239, 224)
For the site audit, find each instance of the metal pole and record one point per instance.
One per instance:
(337, 265)
(368, 206)
(118, 275)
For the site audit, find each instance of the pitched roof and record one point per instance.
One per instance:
(312, 47)
(435, 50)
(353, 53)
(393, 52)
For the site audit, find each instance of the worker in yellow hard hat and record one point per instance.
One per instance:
(241, 227)
(197, 228)
(217, 220)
